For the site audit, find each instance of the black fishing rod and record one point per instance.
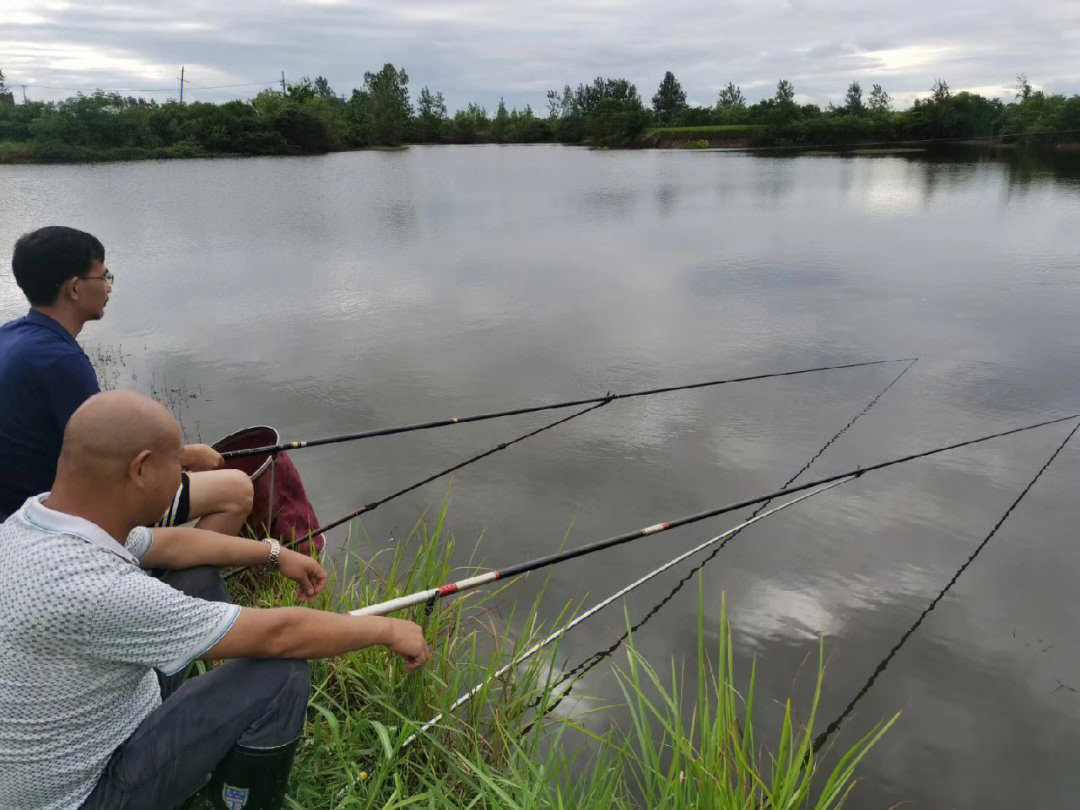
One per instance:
(472, 459)
(450, 588)
(348, 437)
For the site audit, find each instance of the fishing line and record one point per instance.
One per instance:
(577, 672)
(450, 588)
(348, 437)
(555, 635)
(374, 504)
(835, 724)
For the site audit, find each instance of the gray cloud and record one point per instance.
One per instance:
(479, 50)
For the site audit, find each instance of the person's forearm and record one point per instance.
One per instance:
(302, 633)
(307, 633)
(186, 548)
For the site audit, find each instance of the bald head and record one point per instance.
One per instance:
(110, 430)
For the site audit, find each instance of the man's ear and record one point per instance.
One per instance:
(137, 469)
(68, 291)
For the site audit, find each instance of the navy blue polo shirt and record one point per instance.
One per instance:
(44, 376)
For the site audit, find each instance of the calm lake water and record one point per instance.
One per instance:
(365, 290)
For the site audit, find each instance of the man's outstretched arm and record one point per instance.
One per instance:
(306, 633)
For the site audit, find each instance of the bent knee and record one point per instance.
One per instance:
(236, 492)
(281, 676)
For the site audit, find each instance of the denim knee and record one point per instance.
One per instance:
(283, 686)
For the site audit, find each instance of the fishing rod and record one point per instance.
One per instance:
(450, 588)
(555, 635)
(348, 437)
(375, 504)
(722, 538)
(820, 740)
(575, 673)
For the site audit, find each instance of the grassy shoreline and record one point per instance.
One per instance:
(691, 740)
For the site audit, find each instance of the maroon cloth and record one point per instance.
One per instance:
(293, 516)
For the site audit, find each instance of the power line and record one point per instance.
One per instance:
(128, 89)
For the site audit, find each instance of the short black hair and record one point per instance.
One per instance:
(44, 259)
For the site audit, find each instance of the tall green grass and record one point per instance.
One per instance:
(674, 754)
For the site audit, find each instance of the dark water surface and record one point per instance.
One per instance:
(365, 290)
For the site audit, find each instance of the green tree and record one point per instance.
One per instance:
(384, 103)
(526, 127)
(935, 116)
(879, 99)
(853, 102)
(939, 93)
(322, 89)
(731, 98)
(1023, 87)
(430, 114)
(6, 96)
(607, 112)
(785, 92)
(471, 123)
(500, 125)
(303, 90)
(670, 98)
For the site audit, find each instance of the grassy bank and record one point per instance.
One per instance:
(363, 705)
(713, 135)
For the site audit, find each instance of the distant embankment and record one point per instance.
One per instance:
(730, 135)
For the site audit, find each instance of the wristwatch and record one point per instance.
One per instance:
(275, 552)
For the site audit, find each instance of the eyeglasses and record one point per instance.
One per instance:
(108, 278)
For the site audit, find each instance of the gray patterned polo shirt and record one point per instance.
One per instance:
(82, 629)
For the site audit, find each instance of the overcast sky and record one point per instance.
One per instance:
(481, 50)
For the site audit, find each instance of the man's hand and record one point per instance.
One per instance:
(309, 576)
(200, 458)
(407, 640)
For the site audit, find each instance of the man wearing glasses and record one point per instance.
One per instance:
(45, 375)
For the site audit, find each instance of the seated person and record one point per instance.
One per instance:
(45, 375)
(82, 628)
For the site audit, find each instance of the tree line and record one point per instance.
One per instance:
(309, 117)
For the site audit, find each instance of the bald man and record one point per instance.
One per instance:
(84, 722)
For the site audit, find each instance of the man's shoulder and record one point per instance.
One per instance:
(31, 350)
(36, 339)
(64, 572)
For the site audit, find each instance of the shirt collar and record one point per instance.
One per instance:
(42, 517)
(53, 325)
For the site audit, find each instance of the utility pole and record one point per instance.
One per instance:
(181, 85)
(24, 94)
(283, 82)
